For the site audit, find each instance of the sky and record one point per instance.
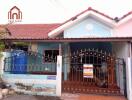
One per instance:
(57, 11)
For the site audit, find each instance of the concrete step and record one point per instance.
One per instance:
(69, 96)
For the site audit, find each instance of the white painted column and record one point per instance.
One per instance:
(129, 79)
(129, 73)
(4, 55)
(59, 75)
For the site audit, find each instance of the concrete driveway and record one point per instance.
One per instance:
(65, 97)
(30, 97)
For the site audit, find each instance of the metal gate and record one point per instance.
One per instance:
(34, 63)
(121, 75)
(101, 78)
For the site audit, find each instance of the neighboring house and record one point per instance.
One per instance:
(124, 29)
(94, 57)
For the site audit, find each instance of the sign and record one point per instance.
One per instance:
(88, 70)
(50, 77)
(14, 15)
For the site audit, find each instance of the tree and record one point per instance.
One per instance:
(4, 32)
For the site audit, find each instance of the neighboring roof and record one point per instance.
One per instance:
(124, 18)
(90, 11)
(30, 31)
(126, 15)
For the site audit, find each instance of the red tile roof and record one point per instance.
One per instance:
(40, 31)
(30, 31)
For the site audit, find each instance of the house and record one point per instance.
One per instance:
(92, 57)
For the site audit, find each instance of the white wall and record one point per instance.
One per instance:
(88, 27)
(121, 49)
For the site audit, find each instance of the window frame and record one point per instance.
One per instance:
(44, 55)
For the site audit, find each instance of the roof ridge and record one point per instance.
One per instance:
(89, 9)
(125, 15)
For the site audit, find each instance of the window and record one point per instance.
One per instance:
(50, 56)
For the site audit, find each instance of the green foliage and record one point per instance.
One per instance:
(2, 47)
(21, 43)
(1, 55)
(3, 33)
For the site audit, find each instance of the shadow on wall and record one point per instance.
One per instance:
(107, 46)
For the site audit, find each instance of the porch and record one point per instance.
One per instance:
(44, 67)
(92, 67)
